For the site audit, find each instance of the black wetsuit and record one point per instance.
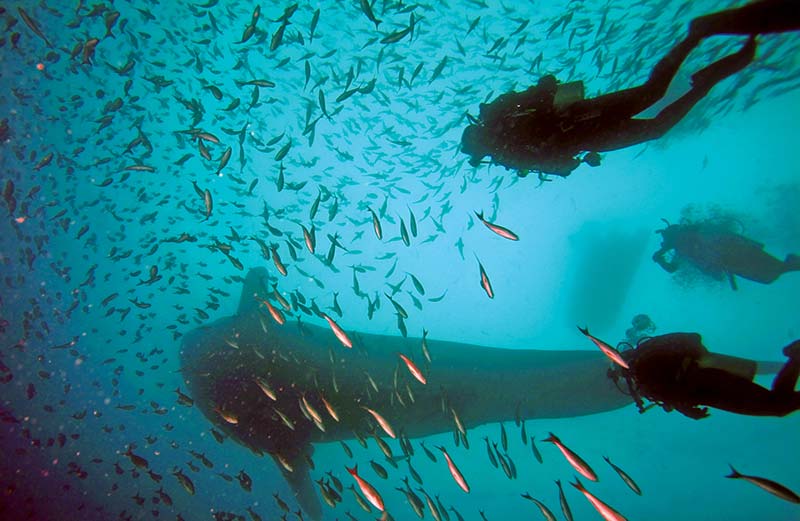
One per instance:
(549, 140)
(720, 253)
(677, 372)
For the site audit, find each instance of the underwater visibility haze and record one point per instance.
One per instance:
(249, 271)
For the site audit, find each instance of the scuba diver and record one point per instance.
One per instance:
(551, 129)
(720, 253)
(642, 326)
(677, 372)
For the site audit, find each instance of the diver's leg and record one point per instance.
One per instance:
(776, 268)
(616, 132)
(635, 131)
(703, 81)
(712, 74)
(761, 17)
(629, 102)
(722, 390)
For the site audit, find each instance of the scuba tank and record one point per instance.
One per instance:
(568, 93)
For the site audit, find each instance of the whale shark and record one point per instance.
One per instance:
(275, 388)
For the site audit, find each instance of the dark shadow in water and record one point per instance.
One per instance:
(780, 215)
(607, 260)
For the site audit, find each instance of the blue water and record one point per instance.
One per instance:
(69, 361)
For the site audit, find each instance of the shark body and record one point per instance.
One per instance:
(305, 366)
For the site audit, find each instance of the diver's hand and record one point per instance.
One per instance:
(695, 413)
(669, 267)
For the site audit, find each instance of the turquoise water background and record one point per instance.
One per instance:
(583, 257)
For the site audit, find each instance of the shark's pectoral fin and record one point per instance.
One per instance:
(255, 283)
(739, 366)
(299, 479)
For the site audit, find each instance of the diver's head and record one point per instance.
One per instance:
(473, 144)
(670, 233)
(642, 322)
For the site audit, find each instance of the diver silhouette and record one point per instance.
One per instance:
(551, 129)
(720, 253)
(677, 372)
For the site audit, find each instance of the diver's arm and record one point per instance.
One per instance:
(669, 267)
(561, 166)
(694, 412)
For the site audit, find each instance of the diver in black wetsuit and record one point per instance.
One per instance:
(677, 372)
(720, 253)
(550, 128)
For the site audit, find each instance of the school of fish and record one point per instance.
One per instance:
(284, 138)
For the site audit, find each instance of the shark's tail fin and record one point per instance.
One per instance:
(792, 262)
(254, 284)
(299, 480)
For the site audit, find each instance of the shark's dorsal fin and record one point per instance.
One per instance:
(255, 284)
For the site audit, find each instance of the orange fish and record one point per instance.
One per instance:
(499, 230)
(454, 471)
(309, 239)
(608, 513)
(284, 462)
(274, 312)
(227, 416)
(381, 421)
(413, 369)
(277, 260)
(311, 411)
(573, 459)
(607, 350)
(266, 389)
(485, 284)
(338, 331)
(368, 490)
(329, 408)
